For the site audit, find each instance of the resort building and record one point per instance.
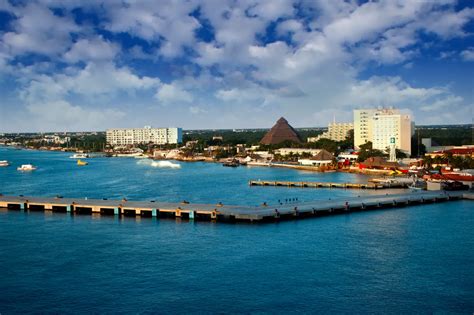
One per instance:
(133, 136)
(383, 127)
(321, 158)
(336, 132)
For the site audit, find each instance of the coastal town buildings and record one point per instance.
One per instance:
(132, 136)
(55, 139)
(462, 151)
(336, 132)
(280, 132)
(383, 127)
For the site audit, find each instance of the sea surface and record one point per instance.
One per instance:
(408, 260)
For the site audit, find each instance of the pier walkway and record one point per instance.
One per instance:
(222, 212)
(326, 184)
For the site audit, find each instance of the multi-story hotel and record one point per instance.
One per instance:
(132, 136)
(381, 125)
(336, 132)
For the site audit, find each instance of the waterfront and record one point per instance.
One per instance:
(416, 259)
(138, 179)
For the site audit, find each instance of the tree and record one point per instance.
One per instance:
(366, 151)
(428, 161)
(400, 154)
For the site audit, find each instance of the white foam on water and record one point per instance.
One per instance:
(160, 164)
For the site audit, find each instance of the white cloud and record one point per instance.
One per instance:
(447, 24)
(315, 66)
(197, 110)
(61, 115)
(168, 22)
(79, 99)
(468, 54)
(38, 30)
(92, 49)
(172, 93)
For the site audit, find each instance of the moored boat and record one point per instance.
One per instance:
(79, 156)
(81, 163)
(231, 163)
(26, 167)
(4, 163)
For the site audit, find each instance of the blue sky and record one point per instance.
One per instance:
(91, 65)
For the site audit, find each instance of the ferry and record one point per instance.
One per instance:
(79, 156)
(4, 163)
(26, 167)
(81, 163)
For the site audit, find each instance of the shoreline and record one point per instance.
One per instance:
(211, 160)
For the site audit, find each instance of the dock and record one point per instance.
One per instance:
(226, 213)
(325, 184)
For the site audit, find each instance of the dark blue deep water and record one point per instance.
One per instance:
(408, 260)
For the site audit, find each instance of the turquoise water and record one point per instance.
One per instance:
(407, 260)
(137, 179)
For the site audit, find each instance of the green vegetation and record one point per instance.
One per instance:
(366, 151)
(90, 143)
(446, 135)
(247, 137)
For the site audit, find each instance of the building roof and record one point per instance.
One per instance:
(322, 155)
(281, 131)
(378, 161)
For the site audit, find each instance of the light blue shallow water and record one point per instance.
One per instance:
(416, 259)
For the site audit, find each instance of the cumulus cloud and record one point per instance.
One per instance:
(167, 22)
(301, 59)
(37, 29)
(93, 49)
(61, 115)
(172, 93)
(468, 54)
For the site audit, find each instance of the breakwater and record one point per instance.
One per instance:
(226, 213)
(306, 184)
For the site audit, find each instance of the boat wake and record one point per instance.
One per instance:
(160, 164)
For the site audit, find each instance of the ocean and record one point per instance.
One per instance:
(403, 260)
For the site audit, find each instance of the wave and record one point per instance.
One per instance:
(160, 164)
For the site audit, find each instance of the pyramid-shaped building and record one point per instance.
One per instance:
(282, 131)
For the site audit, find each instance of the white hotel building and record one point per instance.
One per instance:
(336, 132)
(132, 136)
(380, 125)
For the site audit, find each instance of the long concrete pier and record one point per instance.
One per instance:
(305, 184)
(226, 213)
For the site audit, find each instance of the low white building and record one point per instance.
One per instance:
(133, 136)
(322, 158)
(288, 151)
(347, 156)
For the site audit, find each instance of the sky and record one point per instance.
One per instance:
(92, 65)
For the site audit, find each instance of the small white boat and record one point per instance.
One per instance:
(4, 163)
(26, 167)
(79, 156)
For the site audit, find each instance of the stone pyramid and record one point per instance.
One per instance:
(282, 131)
